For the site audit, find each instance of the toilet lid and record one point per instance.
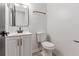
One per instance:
(48, 44)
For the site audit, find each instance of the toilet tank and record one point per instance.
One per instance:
(41, 36)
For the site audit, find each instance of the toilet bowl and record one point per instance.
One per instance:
(46, 46)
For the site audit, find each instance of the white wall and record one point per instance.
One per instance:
(37, 22)
(63, 27)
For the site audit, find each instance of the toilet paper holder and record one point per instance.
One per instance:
(77, 41)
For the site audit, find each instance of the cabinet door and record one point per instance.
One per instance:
(11, 46)
(26, 46)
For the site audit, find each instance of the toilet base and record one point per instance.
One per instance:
(45, 52)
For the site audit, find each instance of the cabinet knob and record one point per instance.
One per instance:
(21, 41)
(18, 42)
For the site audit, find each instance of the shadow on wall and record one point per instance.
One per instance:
(56, 52)
(48, 38)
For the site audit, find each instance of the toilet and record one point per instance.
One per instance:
(46, 46)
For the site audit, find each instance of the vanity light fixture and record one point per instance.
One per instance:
(16, 4)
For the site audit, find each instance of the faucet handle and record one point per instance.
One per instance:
(20, 28)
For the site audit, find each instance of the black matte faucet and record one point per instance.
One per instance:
(20, 30)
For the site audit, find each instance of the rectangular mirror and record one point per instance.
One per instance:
(18, 14)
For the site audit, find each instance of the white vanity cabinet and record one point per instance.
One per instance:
(26, 49)
(19, 45)
(11, 46)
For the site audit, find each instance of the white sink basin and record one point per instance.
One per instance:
(17, 34)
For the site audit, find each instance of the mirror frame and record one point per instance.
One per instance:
(10, 16)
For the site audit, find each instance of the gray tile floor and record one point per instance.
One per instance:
(39, 54)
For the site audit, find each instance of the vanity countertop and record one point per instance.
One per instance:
(18, 34)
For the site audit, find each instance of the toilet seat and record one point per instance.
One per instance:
(48, 45)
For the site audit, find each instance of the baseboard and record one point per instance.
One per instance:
(36, 50)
